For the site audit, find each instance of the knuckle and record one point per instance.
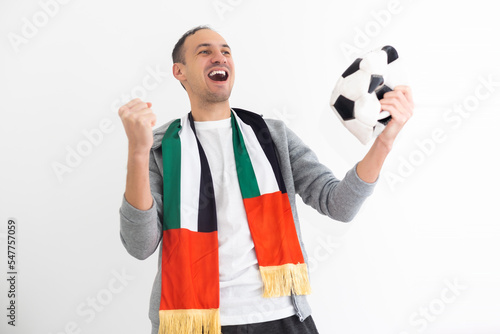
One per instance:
(122, 110)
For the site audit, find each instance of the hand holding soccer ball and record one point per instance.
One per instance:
(399, 103)
(367, 96)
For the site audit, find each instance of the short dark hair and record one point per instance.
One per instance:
(178, 52)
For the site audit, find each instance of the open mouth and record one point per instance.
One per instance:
(218, 75)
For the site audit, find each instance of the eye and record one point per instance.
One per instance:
(204, 51)
(226, 52)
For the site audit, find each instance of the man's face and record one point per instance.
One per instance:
(208, 68)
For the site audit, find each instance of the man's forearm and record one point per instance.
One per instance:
(369, 168)
(138, 190)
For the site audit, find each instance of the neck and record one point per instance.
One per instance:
(210, 111)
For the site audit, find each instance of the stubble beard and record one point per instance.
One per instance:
(209, 98)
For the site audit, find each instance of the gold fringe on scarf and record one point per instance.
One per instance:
(190, 321)
(284, 279)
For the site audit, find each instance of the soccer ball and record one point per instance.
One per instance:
(355, 98)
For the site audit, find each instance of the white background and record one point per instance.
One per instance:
(432, 221)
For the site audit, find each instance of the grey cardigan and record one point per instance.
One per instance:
(141, 231)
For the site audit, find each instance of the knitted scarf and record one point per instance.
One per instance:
(190, 264)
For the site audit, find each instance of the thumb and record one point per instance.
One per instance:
(149, 104)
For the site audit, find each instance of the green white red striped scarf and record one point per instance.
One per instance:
(190, 262)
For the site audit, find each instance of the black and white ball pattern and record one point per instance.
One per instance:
(355, 98)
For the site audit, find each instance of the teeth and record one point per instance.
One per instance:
(216, 72)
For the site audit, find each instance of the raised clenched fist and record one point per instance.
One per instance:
(138, 120)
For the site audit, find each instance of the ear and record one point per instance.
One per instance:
(178, 71)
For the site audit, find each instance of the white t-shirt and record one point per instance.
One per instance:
(241, 300)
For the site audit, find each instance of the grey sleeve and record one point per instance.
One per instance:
(319, 188)
(141, 230)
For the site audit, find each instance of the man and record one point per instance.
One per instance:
(216, 189)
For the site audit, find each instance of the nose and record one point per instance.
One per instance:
(219, 58)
